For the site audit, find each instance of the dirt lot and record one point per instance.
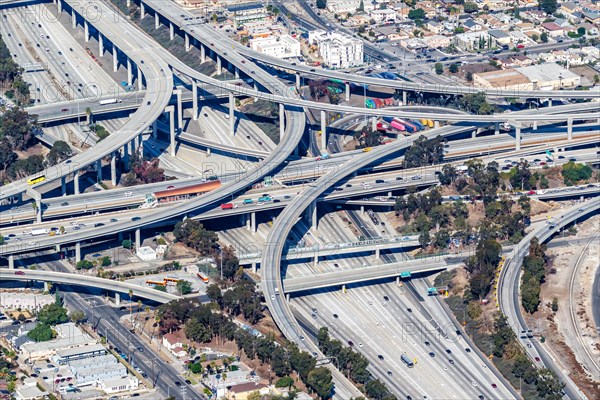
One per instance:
(560, 333)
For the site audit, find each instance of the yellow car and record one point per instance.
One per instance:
(367, 149)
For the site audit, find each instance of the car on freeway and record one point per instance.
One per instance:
(468, 350)
(350, 343)
(335, 316)
(448, 351)
(451, 361)
(170, 187)
(64, 203)
(537, 359)
(367, 149)
(113, 220)
(389, 373)
(427, 343)
(431, 354)
(380, 357)
(386, 298)
(409, 309)
(494, 385)
(136, 218)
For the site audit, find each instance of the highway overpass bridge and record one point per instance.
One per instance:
(148, 293)
(365, 274)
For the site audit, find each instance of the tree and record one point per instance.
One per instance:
(548, 6)
(453, 68)
(320, 381)
(596, 79)
(77, 316)
(197, 331)
(184, 287)
(535, 37)
(555, 304)
(41, 333)
(126, 244)
(470, 7)
(439, 68)
(214, 293)
(548, 385)
(573, 173)
(544, 37)
(84, 264)
(60, 151)
(284, 382)
(416, 14)
(361, 6)
(321, 4)
(469, 76)
(105, 261)
(52, 314)
(193, 234)
(375, 389)
(196, 368)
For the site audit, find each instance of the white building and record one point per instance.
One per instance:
(116, 385)
(348, 6)
(283, 46)
(337, 50)
(385, 15)
(146, 253)
(69, 336)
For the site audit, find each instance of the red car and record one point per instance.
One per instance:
(170, 187)
(494, 385)
(64, 109)
(19, 272)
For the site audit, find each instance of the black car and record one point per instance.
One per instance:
(136, 218)
(335, 316)
(188, 381)
(177, 383)
(448, 351)
(380, 357)
(98, 224)
(386, 298)
(432, 354)
(64, 203)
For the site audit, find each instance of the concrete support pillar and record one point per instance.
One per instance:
(171, 111)
(236, 73)
(287, 297)
(156, 21)
(76, 182)
(142, 10)
(362, 210)
(99, 170)
(202, 53)
(535, 125)
(377, 254)
(323, 129)
(77, 252)
(247, 223)
(398, 280)
(313, 212)
(86, 31)
(254, 268)
(219, 67)
(253, 222)
(549, 102)
(436, 124)
(63, 185)
(129, 72)
(316, 260)
(496, 128)
(100, 45)
(115, 59)
(374, 124)
(347, 91)
(570, 129)
(343, 288)
(113, 169)
(187, 41)
(126, 157)
(11, 261)
(195, 100)
(138, 238)
(46, 287)
(117, 299)
(73, 19)
(171, 31)
(404, 97)
(298, 81)
(281, 121)
(59, 7)
(256, 89)
(140, 81)
(518, 135)
(208, 151)
(231, 114)
(179, 110)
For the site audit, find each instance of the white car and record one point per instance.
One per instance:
(128, 194)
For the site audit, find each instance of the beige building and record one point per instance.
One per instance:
(548, 76)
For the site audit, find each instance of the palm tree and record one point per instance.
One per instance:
(88, 114)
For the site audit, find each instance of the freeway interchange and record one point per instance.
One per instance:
(325, 180)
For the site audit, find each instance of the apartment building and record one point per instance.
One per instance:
(338, 50)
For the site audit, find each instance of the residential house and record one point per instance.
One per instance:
(401, 9)
(517, 61)
(499, 38)
(591, 12)
(470, 40)
(383, 16)
(437, 41)
(348, 6)
(434, 27)
(174, 345)
(569, 7)
(358, 20)
(471, 26)
(244, 390)
(553, 29)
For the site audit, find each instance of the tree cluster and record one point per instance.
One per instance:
(59, 152)
(424, 152)
(482, 267)
(17, 132)
(11, 75)
(193, 234)
(573, 173)
(368, 138)
(144, 171)
(241, 298)
(476, 104)
(506, 347)
(202, 323)
(352, 364)
(534, 274)
(50, 315)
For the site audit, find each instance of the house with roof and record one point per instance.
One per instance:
(553, 29)
(569, 7)
(591, 12)
(499, 38)
(174, 344)
(434, 27)
(471, 25)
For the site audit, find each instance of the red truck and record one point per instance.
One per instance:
(228, 206)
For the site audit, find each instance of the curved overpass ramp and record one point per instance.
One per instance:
(509, 282)
(148, 293)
